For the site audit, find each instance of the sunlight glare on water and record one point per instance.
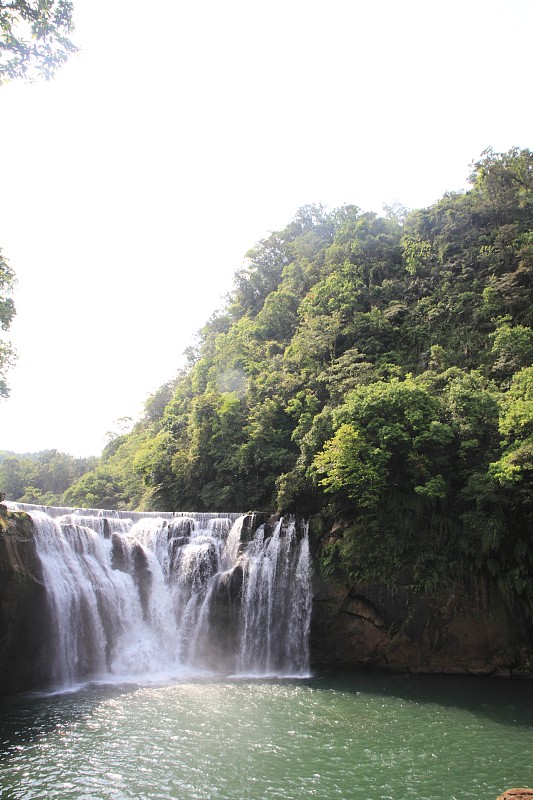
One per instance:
(371, 737)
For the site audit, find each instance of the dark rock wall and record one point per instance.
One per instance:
(465, 629)
(22, 605)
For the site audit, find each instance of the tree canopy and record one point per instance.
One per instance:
(42, 477)
(34, 37)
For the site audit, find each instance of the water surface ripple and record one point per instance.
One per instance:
(341, 736)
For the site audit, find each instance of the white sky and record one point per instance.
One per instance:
(133, 184)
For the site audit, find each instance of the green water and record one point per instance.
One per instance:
(365, 737)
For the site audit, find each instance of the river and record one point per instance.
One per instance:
(370, 737)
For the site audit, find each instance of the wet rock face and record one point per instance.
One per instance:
(466, 629)
(229, 586)
(224, 617)
(251, 523)
(22, 605)
(142, 577)
(133, 561)
(119, 553)
(254, 519)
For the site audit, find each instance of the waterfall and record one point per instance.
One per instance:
(135, 595)
(276, 602)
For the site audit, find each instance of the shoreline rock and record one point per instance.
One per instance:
(22, 604)
(464, 629)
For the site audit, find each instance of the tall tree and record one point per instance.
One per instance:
(34, 41)
(34, 37)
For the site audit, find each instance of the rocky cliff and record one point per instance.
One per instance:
(470, 627)
(22, 604)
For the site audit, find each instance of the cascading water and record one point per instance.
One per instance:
(276, 602)
(136, 595)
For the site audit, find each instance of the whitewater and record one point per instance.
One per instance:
(134, 596)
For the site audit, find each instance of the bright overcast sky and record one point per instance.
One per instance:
(183, 132)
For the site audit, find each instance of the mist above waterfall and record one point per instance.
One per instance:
(134, 596)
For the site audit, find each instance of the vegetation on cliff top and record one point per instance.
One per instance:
(374, 368)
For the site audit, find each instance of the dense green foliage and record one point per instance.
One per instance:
(376, 369)
(40, 478)
(34, 37)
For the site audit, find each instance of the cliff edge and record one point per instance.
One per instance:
(22, 603)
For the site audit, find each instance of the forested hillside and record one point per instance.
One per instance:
(373, 368)
(40, 477)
